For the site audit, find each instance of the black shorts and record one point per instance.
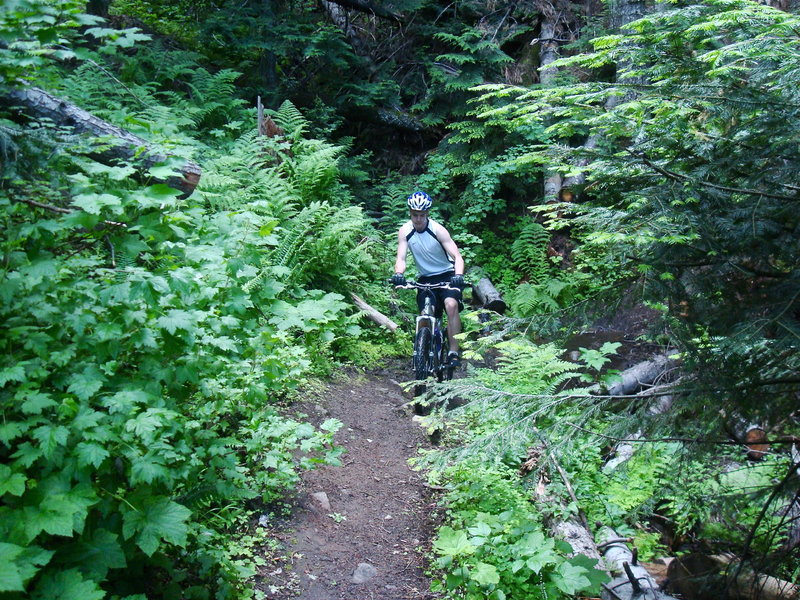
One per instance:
(438, 295)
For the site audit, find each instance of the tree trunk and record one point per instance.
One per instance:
(698, 576)
(643, 373)
(38, 104)
(370, 8)
(623, 12)
(549, 52)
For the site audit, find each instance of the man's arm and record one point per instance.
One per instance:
(402, 251)
(450, 247)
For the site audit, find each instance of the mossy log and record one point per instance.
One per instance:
(122, 145)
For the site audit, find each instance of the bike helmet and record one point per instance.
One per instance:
(419, 201)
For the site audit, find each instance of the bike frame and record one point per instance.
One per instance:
(435, 350)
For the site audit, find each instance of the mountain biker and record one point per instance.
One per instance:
(438, 261)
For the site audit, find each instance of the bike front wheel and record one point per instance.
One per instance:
(422, 350)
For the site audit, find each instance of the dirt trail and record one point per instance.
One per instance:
(368, 543)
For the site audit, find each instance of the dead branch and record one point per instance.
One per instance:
(372, 314)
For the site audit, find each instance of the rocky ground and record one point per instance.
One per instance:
(359, 531)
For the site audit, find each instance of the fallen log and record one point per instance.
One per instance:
(487, 295)
(643, 373)
(632, 580)
(698, 576)
(38, 104)
(573, 529)
(372, 314)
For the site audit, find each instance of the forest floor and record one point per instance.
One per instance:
(359, 531)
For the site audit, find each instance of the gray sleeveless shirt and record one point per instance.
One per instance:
(429, 254)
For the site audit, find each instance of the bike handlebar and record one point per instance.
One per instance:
(411, 285)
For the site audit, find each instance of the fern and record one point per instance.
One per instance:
(291, 120)
(313, 170)
(324, 246)
(528, 252)
(499, 407)
(240, 180)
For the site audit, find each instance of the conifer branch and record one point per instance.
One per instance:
(723, 188)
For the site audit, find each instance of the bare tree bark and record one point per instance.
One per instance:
(38, 104)
(633, 581)
(548, 53)
(623, 13)
(370, 8)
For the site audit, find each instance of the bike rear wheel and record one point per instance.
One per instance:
(446, 370)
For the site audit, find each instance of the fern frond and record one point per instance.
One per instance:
(291, 120)
(528, 252)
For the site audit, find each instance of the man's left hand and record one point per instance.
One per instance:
(457, 281)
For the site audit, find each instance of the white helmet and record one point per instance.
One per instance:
(419, 201)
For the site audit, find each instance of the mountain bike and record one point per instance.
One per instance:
(431, 345)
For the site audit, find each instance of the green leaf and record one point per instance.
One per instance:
(485, 574)
(158, 519)
(66, 585)
(34, 401)
(89, 453)
(86, 384)
(15, 373)
(10, 482)
(50, 438)
(95, 203)
(9, 431)
(452, 542)
(570, 578)
(96, 554)
(10, 576)
(176, 319)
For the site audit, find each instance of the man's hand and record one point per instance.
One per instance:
(398, 279)
(457, 281)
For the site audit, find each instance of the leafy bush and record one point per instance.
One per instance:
(494, 545)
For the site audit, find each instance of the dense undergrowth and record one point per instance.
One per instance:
(150, 339)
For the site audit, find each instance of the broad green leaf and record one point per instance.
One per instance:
(485, 574)
(10, 482)
(176, 319)
(34, 401)
(10, 576)
(570, 578)
(90, 454)
(15, 373)
(66, 585)
(50, 438)
(97, 554)
(480, 529)
(157, 519)
(86, 383)
(95, 203)
(452, 542)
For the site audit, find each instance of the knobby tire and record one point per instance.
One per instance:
(422, 348)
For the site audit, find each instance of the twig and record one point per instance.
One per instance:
(723, 188)
(63, 211)
(637, 589)
(611, 591)
(614, 541)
